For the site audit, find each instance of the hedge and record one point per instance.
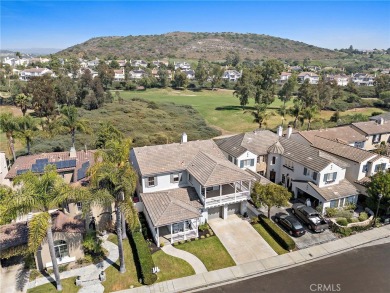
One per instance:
(282, 238)
(144, 258)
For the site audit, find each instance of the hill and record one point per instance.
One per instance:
(211, 46)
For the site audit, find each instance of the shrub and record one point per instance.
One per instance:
(204, 227)
(211, 233)
(202, 237)
(175, 244)
(34, 273)
(207, 235)
(331, 212)
(278, 234)
(188, 240)
(349, 207)
(343, 214)
(363, 216)
(196, 238)
(144, 258)
(88, 258)
(342, 221)
(254, 220)
(162, 244)
(182, 242)
(92, 244)
(353, 220)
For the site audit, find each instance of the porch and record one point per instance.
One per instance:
(176, 232)
(225, 194)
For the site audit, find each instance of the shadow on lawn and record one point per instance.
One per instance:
(234, 108)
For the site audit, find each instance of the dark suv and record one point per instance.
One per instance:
(291, 224)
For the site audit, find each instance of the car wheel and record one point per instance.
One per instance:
(293, 211)
(310, 227)
(276, 220)
(290, 232)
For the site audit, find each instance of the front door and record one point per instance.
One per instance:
(272, 176)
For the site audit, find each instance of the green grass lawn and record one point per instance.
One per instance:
(210, 251)
(171, 267)
(116, 281)
(68, 286)
(269, 239)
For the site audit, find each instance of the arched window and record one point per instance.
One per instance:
(61, 248)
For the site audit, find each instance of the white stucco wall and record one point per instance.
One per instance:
(164, 182)
(330, 169)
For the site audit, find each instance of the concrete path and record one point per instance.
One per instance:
(13, 279)
(195, 262)
(241, 240)
(89, 274)
(266, 266)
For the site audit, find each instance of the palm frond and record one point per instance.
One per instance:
(37, 229)
(130, 213)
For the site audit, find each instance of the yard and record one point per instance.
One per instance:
(269, 239)
(171, 267)
(210, 251)
(68, 286)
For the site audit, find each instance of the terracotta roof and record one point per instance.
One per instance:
(12, 235)
(210, 171)
(371, 127)
(65, 223)
(172, 157)
(343, 189)
(346, 134)
(172, 206)
(27, 162)
(257, 142)
(342, 150)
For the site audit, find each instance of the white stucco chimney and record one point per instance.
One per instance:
(184, 137)
(280, 130)
(289, 131)
(381, 121)
(72, 152)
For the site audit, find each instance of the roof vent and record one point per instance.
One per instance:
(184, 137)
(72, 152)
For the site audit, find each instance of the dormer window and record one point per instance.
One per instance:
(376, 138)
(330, 177)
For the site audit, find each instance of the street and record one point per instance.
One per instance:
(359, 271)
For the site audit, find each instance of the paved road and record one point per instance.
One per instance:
(362, 270)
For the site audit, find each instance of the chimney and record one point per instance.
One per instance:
(280, 130)
(289, 131)
(381, 121)
(183, 137)
(72, 152)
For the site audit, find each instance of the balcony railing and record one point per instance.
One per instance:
(183, 235)
(226, 199)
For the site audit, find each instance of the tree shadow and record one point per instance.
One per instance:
(22, 278)
(234, 108)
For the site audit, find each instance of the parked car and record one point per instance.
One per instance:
(310, 217)
(385, 219)
(291, 224)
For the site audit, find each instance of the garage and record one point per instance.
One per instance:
(234, 208)
(214, 213)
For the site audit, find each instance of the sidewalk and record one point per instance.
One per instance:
(266, 266)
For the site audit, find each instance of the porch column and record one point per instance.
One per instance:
(205, 198)
(171, 235)
(184, 230)
(250, 185)
(158, 237)
(197, 228)
(220, 193)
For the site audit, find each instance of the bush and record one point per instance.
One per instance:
(349, 207)
(331, 212)
(144, 258)
(343, 214)
(88, 258)
(188, 240)
(363, 216)
(353, 220)
(254, 220)
(278, 234)
(162, 244)
(204, 227)
(92, 244)
(197, 238)
(207, 235)
(211, 233)
(182, 242)
(342, 221)
(202, 237)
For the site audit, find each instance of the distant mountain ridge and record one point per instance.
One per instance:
(210, 46)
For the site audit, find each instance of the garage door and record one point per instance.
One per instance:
(214, 213)
(234, 209)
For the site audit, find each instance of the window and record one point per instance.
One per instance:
(315, 174)
(79, 206)
(260, 159)
(247, 163)
(380, 167)
(376, 138)
(359, 144)
(306, 172)
(230, 158)
(330, 177)
(151, 181)
(176, 177)
(289, 164)
(273, 160)
(365, 168)
(283, 178)
(334, 203)
(351, 199)
(61, 248)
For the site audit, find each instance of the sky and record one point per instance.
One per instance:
(328, 24)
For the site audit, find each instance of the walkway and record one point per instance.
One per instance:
(242, 242)
(195, 262)
(266, 266)
(89, 274)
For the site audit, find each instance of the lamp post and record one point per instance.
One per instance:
(380, 195)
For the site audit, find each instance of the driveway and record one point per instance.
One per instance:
(241, 240)
(13, 278)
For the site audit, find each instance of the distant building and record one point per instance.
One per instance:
(312, 77)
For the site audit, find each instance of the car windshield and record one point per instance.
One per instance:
(296, 224)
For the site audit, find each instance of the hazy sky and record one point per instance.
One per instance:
(60, 24)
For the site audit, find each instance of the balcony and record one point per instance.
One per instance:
(227, 195)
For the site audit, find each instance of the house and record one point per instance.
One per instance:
(182, 185)
(231, 75)
(363, 79)
(122, 63)
(138, 63)
(137, 74)
(248, 150)
(312, 77)
(68, 235)
(38, 60)
(189, 73)
(119, 75)
(26, 74)
(376, 132)
(158, 63)
(93, 63)
(154, 72)
(385, 116)
(13, 62)
(284, 76)
(182, 65)
(3, 169)
(340, 79)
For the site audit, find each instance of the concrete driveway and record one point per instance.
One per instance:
(13, 279)
(241, 240)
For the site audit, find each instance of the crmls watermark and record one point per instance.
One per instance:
(325, 287)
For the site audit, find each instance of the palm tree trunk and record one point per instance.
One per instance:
(122, 268)
(269, 212)
(73, 133)
(28, 146)
(308, 124)
(12, 147)
(50, 242)
(124, 234)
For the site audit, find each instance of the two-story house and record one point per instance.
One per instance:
(310, 174)
(119, 74)
(376, 132)
(182, 65)
(284, 76)
(362, 79)
(231, 75)
(312, 77)
(139, 63)
(182, 185)
(340, 79)
(27, 74)
(137, 74)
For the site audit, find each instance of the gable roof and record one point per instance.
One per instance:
(172, 206)
(342, 150)
(257, 142)
(346, 134)
(210, 171)
(343, 189)
(385, 116)
(372, 127)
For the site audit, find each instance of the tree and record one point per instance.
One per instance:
(308, 94)
(380, 184)
(65, 90)
(54, 64)
(296, 111)
(351, 87)
(244, 88)
(114, 180)
(106, 133)
(41, 90)
(6, 194)
(106, 74)
(114, 64)
(325, 94)
(27, 130)
(270, 195)
(201, 72)
(285, 94)
(163, 77)
(385, 97)
(260, 114)
(41, 193)
(73, 66)
(309, 113)
(306, 62)
(382, 84)
(23, 102)
(70, 122)
(9, 125)
(216, 75)
(180, 79)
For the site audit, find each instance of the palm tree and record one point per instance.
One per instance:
(42, 193)
(9, 125)
(282, 111)
(296, 112)
(70, 122)
(23, 102)
(114, 180)
(309, 113)
(260, 114)
(27, 130)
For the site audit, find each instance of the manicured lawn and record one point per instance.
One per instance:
(116, 281)
(269, 239)
(171, 267)
(68, 286)
(210, 251)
